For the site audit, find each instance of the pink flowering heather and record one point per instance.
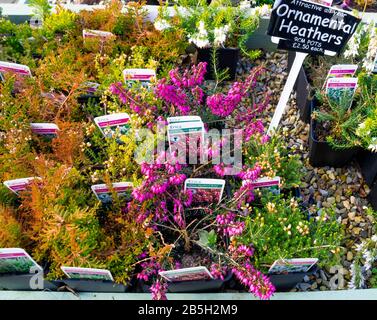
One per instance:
(218, 271)
(159, 290)
(241, 251)
(250, 173)
(228, 225)
(256, 282)
(190, 78)
(223, 105)
(182, 94)
(150, 269)
(136, 103)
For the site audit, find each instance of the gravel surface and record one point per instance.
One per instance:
(321, 187)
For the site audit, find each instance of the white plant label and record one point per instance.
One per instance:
(205, 190)
(109, 124)
(17, 261)
(186, 274)
(87, 273)
(18, 185)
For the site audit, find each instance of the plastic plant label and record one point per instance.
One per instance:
(110, 124)
(18, 185)
(327, 3)
(186, 274)
(181, 119)
(205, 190)
(103, 35)
(104, 194)
(17, 261)
(143, 75)
(272, 184)
(19, 69)
(46, 129)
(180, 133)
(342, 70)
(282, 266)
(341, 89)
(87, 273)
(90, 87)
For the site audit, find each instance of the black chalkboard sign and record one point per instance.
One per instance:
(309, 27)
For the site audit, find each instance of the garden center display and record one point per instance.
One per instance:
(135, 155)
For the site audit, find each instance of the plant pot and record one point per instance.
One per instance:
(81, 285)
(21, 282)
(291, 58)
(367, 161)
(286, 282)
(302, 88)
(227, 58)
(321, 154)
(200, 286)
(372, 196)
(303, 99)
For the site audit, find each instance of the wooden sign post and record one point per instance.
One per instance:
(307, 28)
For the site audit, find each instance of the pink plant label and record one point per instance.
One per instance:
(87, 273)
(186, 274)
(110, 123)
(103, 35)
(17, 261)
(282, 266)
(342, 70)
(264, 182)
(19, 185)
(48, 129)
(205, 190)
(104, 194)
(144, 75)
(19, 69)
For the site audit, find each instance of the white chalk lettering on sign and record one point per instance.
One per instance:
(307, 28)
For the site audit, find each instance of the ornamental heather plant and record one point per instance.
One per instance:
(161, 205)
(279, 229)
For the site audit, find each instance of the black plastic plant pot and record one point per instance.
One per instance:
(372, 196)
(291, 58)
(286, 282)
(303, 93)
(81, 285)
(321, 154)
(227, 58)
(24, 282)
(197, 286)
(367, 161)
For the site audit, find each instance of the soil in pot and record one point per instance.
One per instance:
(227, 58)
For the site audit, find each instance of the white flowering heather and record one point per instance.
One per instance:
(161, 24)
(373, 145)
(369, 259)
(362, 130)
(244, 5)
(220, 35)
(357, 277)
(360, 247)
(264, 10)
(374, 238)
(200, 39)
(352, 49)
(370, 58)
